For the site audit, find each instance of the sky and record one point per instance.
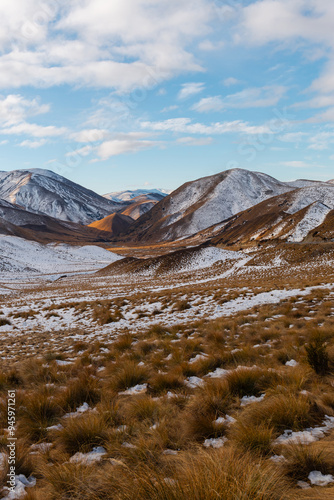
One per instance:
(129, 94)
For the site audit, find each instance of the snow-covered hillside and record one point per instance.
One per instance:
(45, 192)
(323, 192)
(239, 190)
(18, 255)
(200, 204)
(128, 195)
(315, 215)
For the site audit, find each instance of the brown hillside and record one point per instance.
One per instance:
(114, 223)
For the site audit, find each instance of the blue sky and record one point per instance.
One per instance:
(147, 93)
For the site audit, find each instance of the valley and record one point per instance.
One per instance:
(138, 358)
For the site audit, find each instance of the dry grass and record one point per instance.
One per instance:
(154, 440)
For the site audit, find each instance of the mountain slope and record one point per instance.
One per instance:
(45, 192)
(114, 223)
(138, 207)
(289, 217)
(16, 221)
(200, 204)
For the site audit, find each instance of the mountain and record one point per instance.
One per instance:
(291, 217)
(114, 223)
(139, 206)
(128, 195)
(16, 221)
(200, 204)
(45, 192)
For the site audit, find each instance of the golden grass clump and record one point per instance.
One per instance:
(82, 433)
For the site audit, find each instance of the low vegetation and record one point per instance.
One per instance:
(239, 407)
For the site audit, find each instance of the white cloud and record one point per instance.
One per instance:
(195, 141)
(207, 104)
(231, 81)
(296, 24)
(293, 137)
(90, 135)
(33, 144)
(85, 151)
(173, 107)
(296, 164)
(280, 20)
(15, 108)
(185, 125)
(190, 89)
(120, 146)
(4, 142)
(45, 44)
(248, 98)
(34, 130)
(209, 46)
(256, 97)
(321, 141)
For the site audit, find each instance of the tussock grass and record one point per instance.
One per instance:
(249, 381)
(221, 474)
(160, 383)
(163, 456)
(82, 433)
(126, 374)
(283, 411)
(83, 389)
(303, 459)
(209, 403)
(142, 408)
(40, 411)
(253, 438)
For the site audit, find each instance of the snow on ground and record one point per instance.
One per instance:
(89, 458)
(215, 442)
(307, 436)
(319, 479)
(21, 256)
(18, 491)
(207, 257)
(314, 216)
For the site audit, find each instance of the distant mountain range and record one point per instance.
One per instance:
(235, 207)
(128, 195)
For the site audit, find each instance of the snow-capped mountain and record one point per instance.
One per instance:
(45, 192)
(130, 196)
(200, 204)
(19, 222)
